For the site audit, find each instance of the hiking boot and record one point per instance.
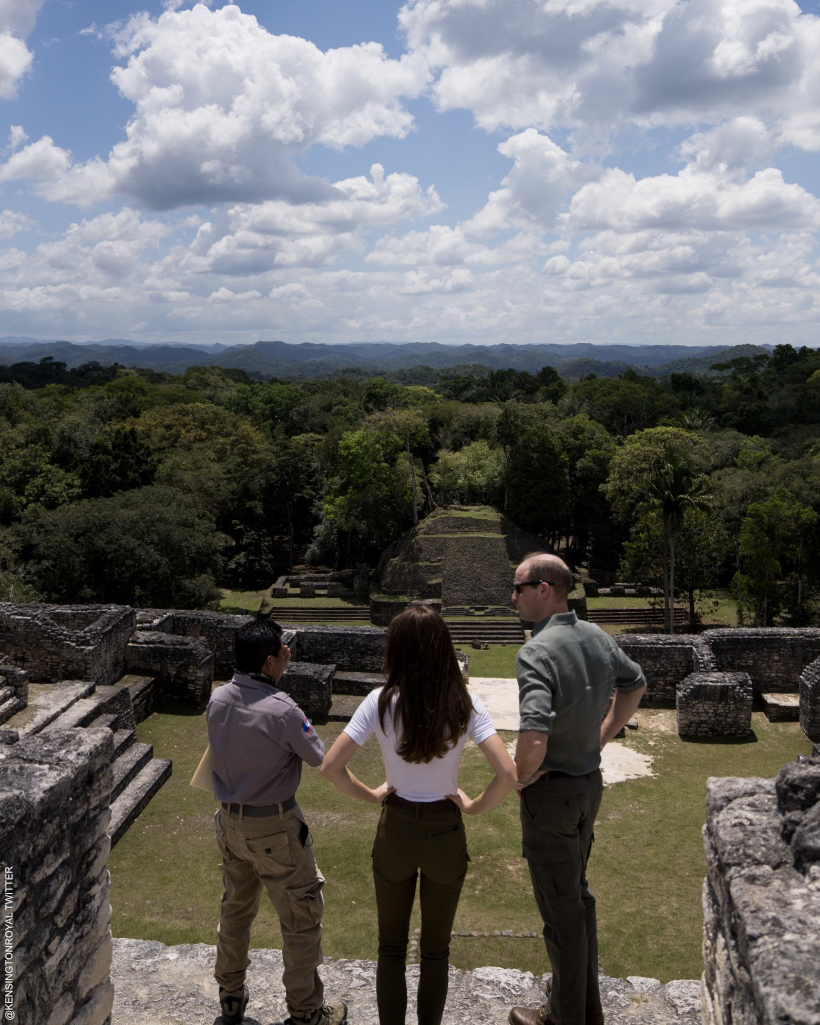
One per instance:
(530, 1016)
(233, 1005)
(330, 1014)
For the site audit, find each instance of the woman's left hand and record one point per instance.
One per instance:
(461, 800)
(382, 792)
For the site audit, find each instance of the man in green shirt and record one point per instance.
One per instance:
(566, 675)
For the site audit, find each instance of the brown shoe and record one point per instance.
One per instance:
(530, 1016)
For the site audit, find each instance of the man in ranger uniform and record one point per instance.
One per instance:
(259, 738)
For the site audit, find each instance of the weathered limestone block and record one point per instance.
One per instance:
(61, 966)
(279, 592)
(216, 630)
(761, 899)
(335, 589)
(175, 984)
(666, 660)
(310, 686)
(773, 657)
(59, 642)
(183, 667)
(13, 689)
(714, 705)
(307, 590)
(346, 647)
(810, 701)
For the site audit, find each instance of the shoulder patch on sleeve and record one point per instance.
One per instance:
(306, 726)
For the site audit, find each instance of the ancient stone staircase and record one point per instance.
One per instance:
(137, 774)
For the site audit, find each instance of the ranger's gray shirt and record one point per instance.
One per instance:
(566, 673)
(259, 738)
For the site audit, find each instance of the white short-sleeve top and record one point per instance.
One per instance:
(422, 782)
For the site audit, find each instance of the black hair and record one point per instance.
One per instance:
(254, 642)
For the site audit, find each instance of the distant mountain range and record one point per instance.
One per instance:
(310, 360)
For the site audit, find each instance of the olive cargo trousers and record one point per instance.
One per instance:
(413, 840)
(557, 819)
(269, 852)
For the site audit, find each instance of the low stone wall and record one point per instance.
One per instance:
(54, 796)
(183, 667)
(773, 657)
(809, 701)
(59, 642)
(215, 629)
(761, 899)
(383, 607)
(13, 689)
(346, 647)
(310, 686)
(666, 660)
(714, 705)
(577, 602)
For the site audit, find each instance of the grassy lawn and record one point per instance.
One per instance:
(242, 601)
(646, 870)
(499, 660)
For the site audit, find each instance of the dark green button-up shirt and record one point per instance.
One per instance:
(566, 673)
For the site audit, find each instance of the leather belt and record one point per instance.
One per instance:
(258, 811)
(416, 806)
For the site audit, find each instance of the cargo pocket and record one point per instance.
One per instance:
(307, 904)
(554, 870)
(272, 850)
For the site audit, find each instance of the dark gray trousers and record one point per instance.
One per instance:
(557, 820)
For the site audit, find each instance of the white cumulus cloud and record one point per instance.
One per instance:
(17, 18)
(221, 107)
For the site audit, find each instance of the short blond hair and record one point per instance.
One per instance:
(546, 566)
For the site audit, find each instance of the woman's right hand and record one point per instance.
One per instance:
(382, 792)
(462, 801)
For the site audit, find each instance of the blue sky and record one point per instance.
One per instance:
(445, 170)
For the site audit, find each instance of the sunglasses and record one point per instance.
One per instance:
(531, 583)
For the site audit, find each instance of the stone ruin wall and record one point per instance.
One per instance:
(59, 642)
(773, 657)
(182, 666)
(54, 813)
(13, 689)
(810, 702)
(761, 899)
(714, 705)
(666, 660)
(347, 647)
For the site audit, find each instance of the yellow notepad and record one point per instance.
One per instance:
(203, 778)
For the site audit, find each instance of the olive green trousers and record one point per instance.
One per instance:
(422, 843)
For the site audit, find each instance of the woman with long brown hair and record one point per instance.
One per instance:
(421, 718)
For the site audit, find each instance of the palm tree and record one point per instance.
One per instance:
(674, 486)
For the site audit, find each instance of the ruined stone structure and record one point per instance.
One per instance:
(714, 705)
(761, 899)
(773, 659)
(310, 686)
(13, 689)
(465, 556)
(215, 629)
(55, 792)
(809, 701)
(183, 667)
(346, 647)
(67, 642)
(667, 660)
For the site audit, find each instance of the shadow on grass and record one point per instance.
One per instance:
(750, 738)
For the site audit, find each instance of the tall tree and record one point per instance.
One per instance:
(660, 469)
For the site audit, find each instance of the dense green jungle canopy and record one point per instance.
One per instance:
(150, 488)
